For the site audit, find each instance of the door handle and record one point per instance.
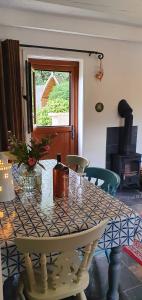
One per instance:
(72, 132)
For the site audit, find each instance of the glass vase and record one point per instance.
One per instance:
(28, 178)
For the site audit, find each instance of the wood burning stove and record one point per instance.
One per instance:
(125, 162)
(128, 168)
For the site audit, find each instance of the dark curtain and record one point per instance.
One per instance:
(12, 89)
(3, 118)
(29, 96)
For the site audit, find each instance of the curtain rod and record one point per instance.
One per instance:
(100, 55)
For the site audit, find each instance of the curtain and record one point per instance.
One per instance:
(29, 95)
(12, 89)
(3, 119)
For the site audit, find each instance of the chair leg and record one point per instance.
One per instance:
(21, 290)
(107, 255)
(81, 296)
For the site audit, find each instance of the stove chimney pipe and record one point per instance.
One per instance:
(125, 111)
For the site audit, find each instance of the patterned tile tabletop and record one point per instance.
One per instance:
(38, 214)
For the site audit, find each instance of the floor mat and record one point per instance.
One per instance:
(135, 251)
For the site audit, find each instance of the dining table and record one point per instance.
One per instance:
(39, 214)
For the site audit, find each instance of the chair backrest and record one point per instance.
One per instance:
(78, 161)
(66, 246)
(111, 180)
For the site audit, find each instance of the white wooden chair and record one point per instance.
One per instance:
(78, 161)
(68, 274)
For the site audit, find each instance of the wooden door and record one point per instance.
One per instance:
(65, 132)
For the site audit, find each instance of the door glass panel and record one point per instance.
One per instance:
(52, 96)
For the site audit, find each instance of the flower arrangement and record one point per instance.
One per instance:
(29, 154)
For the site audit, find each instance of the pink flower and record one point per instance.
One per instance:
(31, 161)
(46, 148)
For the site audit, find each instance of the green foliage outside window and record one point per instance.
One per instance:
(60, 91)
(41, 76)
(58, 101)
(55, 105)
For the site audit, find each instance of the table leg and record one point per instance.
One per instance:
(114, 273)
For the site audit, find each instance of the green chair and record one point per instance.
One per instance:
(111, 180)
(79, 162)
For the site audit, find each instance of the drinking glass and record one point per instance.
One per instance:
(80, 185)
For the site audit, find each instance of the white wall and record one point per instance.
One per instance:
(122, 80)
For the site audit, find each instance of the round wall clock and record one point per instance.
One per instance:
(99, 106)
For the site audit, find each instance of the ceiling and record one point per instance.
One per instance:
(123, 11)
